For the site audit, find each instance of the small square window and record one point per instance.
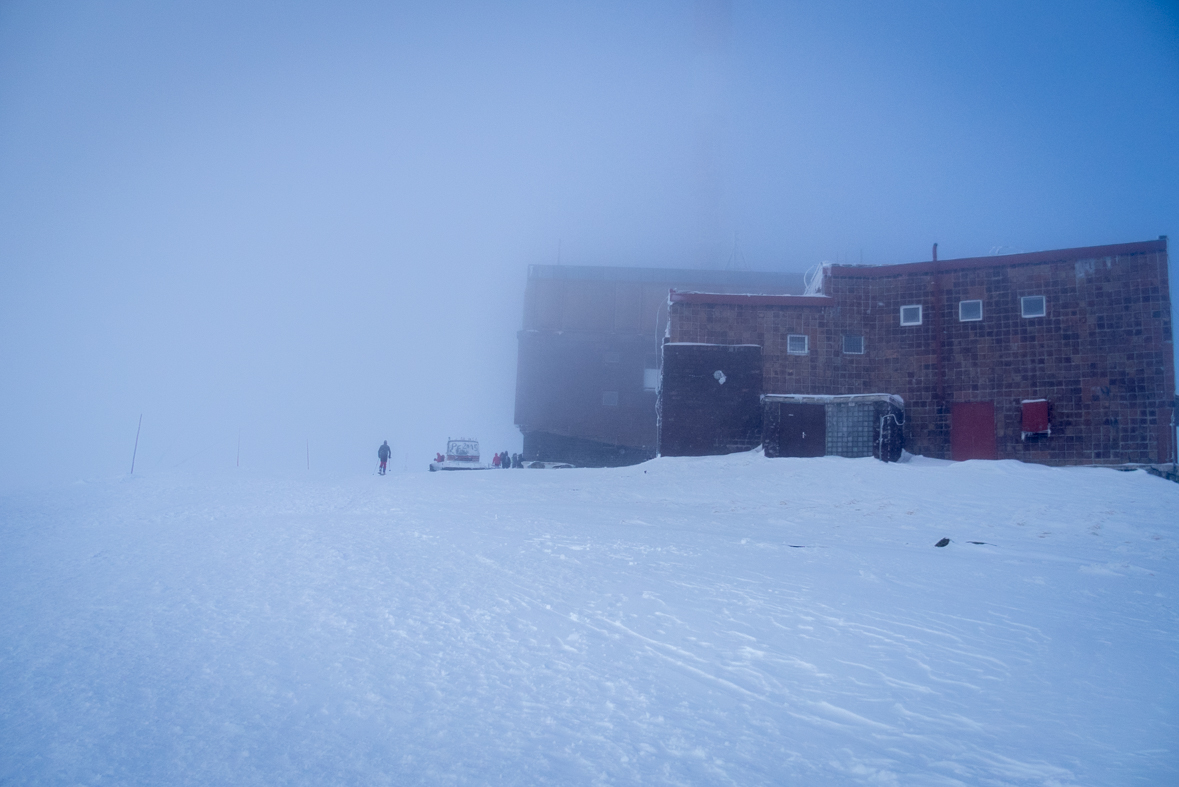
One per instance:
(911, 315)
(969, 311)
(797, 344)
(650, 379)
(609, 398)
(853, 345)
(1033, 306)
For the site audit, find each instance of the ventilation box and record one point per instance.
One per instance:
(1035, 418)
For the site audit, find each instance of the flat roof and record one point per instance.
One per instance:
(996, 260)
(739, 299)
(751, 279)
(895, 399)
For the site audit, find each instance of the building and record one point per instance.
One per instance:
(1060, 357)
(588, 362)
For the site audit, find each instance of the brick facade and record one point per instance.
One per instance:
(1102, 354)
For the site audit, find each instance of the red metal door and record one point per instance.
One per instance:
(972, 431)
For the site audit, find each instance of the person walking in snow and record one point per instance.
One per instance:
(495, 461)
(383, 454)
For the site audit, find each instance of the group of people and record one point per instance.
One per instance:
(508, 461)
(504, 459)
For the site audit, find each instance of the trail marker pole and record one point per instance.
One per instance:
(136, 449)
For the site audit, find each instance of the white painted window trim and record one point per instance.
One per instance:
(848, 352)
(806, 344)
(970, 319)
(1023, 309)
(920, 313)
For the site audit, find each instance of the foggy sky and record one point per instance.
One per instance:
(310, 224)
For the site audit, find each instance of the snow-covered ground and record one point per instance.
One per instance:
(725, 620)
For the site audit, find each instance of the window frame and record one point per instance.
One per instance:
(649, 372)
(1023, 311)
(806, 344)
(970, 319)
(850, 352)
(920, 314)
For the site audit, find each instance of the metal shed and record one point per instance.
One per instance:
(853, 425)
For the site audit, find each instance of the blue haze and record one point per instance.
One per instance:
(309, 224)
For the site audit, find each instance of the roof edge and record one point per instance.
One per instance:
(895, 399)
(997, 260)
(749, 300)
(684, 276)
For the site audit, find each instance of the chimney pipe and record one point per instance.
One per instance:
(937, 332)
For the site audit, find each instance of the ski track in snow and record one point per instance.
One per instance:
(723, 620)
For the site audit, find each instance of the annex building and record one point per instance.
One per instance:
(1058, 357)
(587, 370)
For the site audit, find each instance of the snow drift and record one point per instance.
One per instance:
(723, 620)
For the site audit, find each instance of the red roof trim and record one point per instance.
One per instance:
(1059, 255)
(750, 300)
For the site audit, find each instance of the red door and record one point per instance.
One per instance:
(972, 431)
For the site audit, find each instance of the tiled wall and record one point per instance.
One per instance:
(710, 402)
(1102, 355)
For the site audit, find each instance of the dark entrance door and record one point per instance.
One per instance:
(972, 431)
(803, 430)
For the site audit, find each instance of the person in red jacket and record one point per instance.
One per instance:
(495, 461)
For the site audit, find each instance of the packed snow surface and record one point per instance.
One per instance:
(724, 620)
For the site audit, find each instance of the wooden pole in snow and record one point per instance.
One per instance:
(136, 449)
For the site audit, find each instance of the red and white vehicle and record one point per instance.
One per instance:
(461, 454)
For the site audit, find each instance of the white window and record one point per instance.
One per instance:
(609, 398)
(911, 315)
(650, 379)
(1033, 306)
(797, 344)
(969, 311)
(853, 345)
